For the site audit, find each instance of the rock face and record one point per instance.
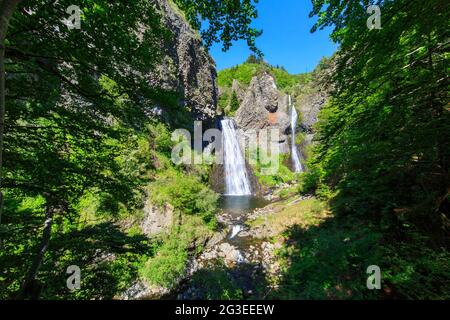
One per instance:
(310, 104)
(264, 107)
(309, 107)
(236, 87)
(156, 220)
(187, 69)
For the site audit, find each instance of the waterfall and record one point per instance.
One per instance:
(236, 177)
(235, 230)
(294, 151)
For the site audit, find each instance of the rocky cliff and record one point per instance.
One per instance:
(313, 98)
(187, 68)
(309, 107)
(264, 106)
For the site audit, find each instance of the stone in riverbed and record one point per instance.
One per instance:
(230, 253)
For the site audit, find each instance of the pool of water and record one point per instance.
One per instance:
(237, 206)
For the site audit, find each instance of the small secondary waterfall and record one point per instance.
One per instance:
(235, 230)
(294, 151)
(236, 176)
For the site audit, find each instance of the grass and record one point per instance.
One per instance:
(305, 213)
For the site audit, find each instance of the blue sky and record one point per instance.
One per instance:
(286, 38)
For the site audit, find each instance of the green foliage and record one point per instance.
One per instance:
(234, 104)
(67, 126)
(108, 258)
(381, 142)
(226, 21)
(185, 193)
(282, 175)
(246, 71)
(286, 81)
(328, 261)
(415, 270)
(383, 152)
(326, 257)
(243, 73)
(223, 101)
(80, 144)
(216, 284)
(168, 266)
(252, 59)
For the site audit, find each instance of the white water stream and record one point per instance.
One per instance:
(294, 151)
(237, 182)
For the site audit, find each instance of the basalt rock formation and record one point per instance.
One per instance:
(316, 94)
(264, 107)
(187, 67)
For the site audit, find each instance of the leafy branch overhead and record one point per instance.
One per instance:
(226, 21)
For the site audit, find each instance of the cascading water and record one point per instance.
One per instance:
(236, 177)
(235, 230)
(294, 151)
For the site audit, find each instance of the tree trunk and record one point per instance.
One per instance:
(7, 8)
(30, 287)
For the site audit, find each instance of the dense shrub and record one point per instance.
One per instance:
(186, 193)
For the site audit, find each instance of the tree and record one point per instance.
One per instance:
(6, 11)
(227, 21)
(70, 93)
(382, 136)
(234, 103)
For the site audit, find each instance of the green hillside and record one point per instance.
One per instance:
(294, 84)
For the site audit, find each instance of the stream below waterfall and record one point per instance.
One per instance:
(236, 255)
(237, 260)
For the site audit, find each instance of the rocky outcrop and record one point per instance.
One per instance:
(140, 290)
(187, 68)
(264, 107)
(309, 107)
(156, 220)
(237, 88)
(310, 103)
